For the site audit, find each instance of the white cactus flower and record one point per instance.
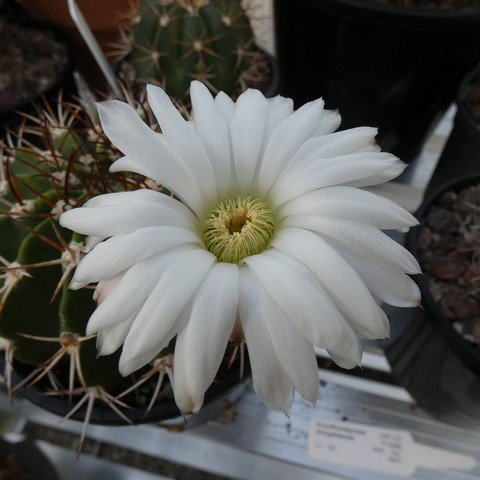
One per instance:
(272, 232)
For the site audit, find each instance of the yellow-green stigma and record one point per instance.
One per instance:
(237, 228)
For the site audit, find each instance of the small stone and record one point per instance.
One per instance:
(437, 289)
(466, 202)
(459, 306)
(446, 199)
(442, 220)
(446, 268)
(472, 195)
(425, 239)
(472, 275)
(471, 329)
(445, 243)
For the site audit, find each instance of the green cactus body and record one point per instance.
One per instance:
(40, 317)
(13, 231)
(183, 40)
(28, 308)
(75, 309)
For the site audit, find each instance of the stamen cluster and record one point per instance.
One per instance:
(237, 228)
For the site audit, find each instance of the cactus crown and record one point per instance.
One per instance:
(177, 41)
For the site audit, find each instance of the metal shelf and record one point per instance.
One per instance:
(248, 441)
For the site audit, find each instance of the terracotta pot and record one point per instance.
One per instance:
(105, 17)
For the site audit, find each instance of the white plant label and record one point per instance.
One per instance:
(383, 450)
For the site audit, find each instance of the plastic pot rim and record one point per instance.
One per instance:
(463, 114)
(452, 18)
(103, 415)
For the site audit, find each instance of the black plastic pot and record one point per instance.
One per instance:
(10, 117)
(436, 364)
(227, 387)
(397, 68)
(31, 459)
(461, 155)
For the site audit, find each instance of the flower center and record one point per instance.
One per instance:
(237, 228)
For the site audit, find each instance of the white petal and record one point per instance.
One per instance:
(247, 128)
(183, 141)
(125, 164)
(128, 297)
(347, 353)
(339, 279)
(348, 357)
(328, 172)
(329, 122)
(110, 339)
(164, 305)
(279, 108)
(212, 130)
(270, 382)
(285, 140)
(76, 285)
(127, 366)
(353, 204)
(168, 117)
(124, 218)
(183, 397)
(299, 294)
(144, 147)
(225, 106)
(106, 287)
(295, 354)
(385, 176)
(122, 251)
(118, 198)
(355, 140)
(203, 342)
(92, 241)
(359, 239)
(391, 286)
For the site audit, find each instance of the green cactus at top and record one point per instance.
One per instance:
(177, 41)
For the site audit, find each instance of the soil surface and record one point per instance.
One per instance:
(440, 4)
(11, 468)
(449, 248)
(31, 60)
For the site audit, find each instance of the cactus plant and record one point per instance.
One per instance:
(176, 41)
(57, 161)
